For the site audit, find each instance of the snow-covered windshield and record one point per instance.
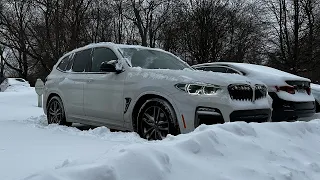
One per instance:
(152, 59)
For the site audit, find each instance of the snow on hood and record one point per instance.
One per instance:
(193, 76)
(268, 75)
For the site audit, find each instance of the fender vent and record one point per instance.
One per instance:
(127, 104)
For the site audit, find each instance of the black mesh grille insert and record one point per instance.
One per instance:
(257, 115)
(260, 92)
(240, 92)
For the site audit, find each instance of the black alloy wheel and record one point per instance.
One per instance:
(156, 119)
(56, 113)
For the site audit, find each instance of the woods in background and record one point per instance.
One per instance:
(281, 33)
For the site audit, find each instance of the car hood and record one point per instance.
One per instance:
(193, 76)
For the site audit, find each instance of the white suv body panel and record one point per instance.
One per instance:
(99, 98)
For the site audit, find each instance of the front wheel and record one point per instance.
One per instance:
(157, 119)
(56, 113)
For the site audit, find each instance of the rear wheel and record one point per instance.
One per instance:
(156, 119)
(56, 113)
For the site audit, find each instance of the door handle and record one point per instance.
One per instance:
(90, 80)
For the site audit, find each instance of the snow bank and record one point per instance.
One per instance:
(18, 88)
(19, 104)
(31, 149)
(269, 151)
(14, 84)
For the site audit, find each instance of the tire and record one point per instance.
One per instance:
(156, 119)
(56, 113)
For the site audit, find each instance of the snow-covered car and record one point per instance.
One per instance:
(315, 90)
(291, 94)
(13, 83)
(147, 90)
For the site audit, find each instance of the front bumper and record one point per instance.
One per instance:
(193, 110)
(287, 110)
(255, 115)
(214, 116)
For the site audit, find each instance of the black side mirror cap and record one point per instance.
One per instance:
(109, 66)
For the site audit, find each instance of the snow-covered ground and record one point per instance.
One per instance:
(29, 145)
(32, 150)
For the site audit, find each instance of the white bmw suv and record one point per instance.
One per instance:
(147, 90)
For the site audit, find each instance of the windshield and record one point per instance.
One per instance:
(153, 59)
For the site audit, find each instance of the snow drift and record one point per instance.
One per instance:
(241, 151)
(31, 149)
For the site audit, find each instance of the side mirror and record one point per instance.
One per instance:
(109, 66)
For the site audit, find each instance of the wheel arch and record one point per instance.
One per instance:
(49, 96)
(146, 96)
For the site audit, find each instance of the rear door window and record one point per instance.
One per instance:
(69, 66)
(100, 55)
(63, 63)
(82, 60)
(216, 69)
(199, 68)
(231, 71)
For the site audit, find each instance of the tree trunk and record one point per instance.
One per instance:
(296, 36)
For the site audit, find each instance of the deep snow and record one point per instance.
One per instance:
(32, 150)
(29, 145)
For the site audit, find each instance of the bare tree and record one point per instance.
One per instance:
(293, 35)
(1, 64)
(148, 16)
(14, 33)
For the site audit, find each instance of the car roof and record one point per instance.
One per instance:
(109, 45)
(217, 63)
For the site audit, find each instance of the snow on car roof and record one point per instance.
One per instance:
(111, 45)
(268, 75)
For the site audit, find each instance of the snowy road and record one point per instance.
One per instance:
(32, 150)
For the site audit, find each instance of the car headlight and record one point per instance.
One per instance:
(198, 89)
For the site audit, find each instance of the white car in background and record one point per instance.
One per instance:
(291, 94)
(315, 89)
(147, 90)
(13, 84)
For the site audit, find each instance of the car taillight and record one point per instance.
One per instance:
(308, 89)
(288, 89)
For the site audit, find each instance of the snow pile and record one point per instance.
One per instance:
(31, 149)
(14, 85)
(28, 144)
(284, 151)
(19, 104)
(18, 88)
(102, 132)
